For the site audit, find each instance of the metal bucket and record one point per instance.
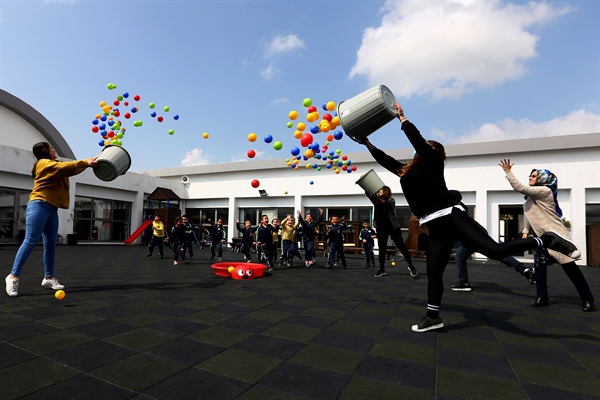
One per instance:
(370, 182)
(112, 162)
(366, 112)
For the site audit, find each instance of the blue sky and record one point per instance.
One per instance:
(464, 71)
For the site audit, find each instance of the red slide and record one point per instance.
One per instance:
(138, 231)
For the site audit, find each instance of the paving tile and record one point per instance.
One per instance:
(220, 336)
(308, 382)
(467, 385)
(270, 346)
(141, 339)
(186, 351)
(240, 365)
(80, 387)
(138, 372)
(91, 355)
(24, 330)
(399, 372)
(363, 388)
(578, 381)
(328, 358)
(103, 328)
(194, 383)
(12, 355)
(398, 350)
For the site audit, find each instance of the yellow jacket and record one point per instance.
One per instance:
(287, 232)
(159, 229)
(51, 182)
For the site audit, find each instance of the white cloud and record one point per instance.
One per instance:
(284, 44)
(269, 72)
(195, 157)
(281, 100)
(576, 122)
(447, 48)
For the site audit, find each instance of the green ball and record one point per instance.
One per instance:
(151, 105)
(307, 102)
(277, 145)
(120, 97)
(289, 124)
(166, 108)
(171, 132)
(285, 192)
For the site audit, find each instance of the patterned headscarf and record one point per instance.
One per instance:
(548, 179)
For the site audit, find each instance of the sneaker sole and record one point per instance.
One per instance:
(462, 289)
(415, 328)
(575, 254)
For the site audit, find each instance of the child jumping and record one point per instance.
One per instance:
(308, 235)
(218, 237)
(177, 238)
(288, 246)
(336, 241)
(264, 240)
(247, 238)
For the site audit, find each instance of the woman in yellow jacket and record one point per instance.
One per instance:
(50, 192)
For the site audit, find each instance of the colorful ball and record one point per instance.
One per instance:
(312, 109)
(277, 145)
(205, 135)
(330, 106)
(307, 102)
(289, 124)
(166, 108)
(176, 117)
(171, 132)
(230, 269)
(151, 105)
(252, 137)
(268, 138)
(136, 97)
(59, 294)
(251, 154)
(293, 114)
(255, 183)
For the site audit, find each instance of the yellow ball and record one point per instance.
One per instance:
(59, 294)
(205, 135)
(293, 114)
(393, 263)
(252, 137)
(298, 134)
(301, 126)
(230, 270)
(330, 106)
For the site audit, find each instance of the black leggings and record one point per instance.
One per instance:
(460, 227)
(382, 239)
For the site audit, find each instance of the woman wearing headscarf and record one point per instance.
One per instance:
(544, 215)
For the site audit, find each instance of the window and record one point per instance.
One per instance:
(101, 219)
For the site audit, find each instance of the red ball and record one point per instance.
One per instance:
(255, 183)
(127, 115)
(160, 119)
(136, 97)
(251, 153)
(95, 129)
(116, 102)
(306, 139)
(311, 109)
(344, 158)
(353, 168)
(327, 117)
(117, 113)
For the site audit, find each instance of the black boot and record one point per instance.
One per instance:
(529, 274)
(587, 305)
(541, 302)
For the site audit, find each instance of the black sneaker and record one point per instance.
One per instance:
(328, 266)
(563, 245)
(149, 255)
(528, 273)
(413, 272)
(379, 274)
(461, 287)
(428, 324)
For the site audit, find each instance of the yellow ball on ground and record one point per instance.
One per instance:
(59, 294)
(393, 263)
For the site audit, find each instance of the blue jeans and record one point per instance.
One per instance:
(41, 220)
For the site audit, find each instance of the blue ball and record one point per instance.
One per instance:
(349, 162)
(324, 106)
(315, 167)
(295, 151)
(153, 114)
(298, 157)
(340, 163)
(101, 143)
(103, 118)
(102, 126)
(338, 135)
(314, 129)
(318, 156)
(111, 122)
(328, 166)
(311, 182)
(103, 133)
(269, 139)
(176, 116)
(95, 122)
(126, 95)
(133, 110)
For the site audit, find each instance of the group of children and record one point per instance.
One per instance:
(267, 236)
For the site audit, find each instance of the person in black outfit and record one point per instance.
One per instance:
(177, 238)
(247, 238)
(264, 240)
(367, 237)
(388, 227)
(308, 235)
(336, 241)
(217, 237)
(190, 237)
(424, 186)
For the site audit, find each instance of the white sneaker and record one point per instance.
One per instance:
(12, 286)
(52, 284)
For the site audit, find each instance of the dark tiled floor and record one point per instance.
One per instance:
(134, 327)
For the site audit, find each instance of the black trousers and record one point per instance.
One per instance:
(460, 227)
(382, 239)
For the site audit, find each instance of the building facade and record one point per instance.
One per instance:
(110, 212)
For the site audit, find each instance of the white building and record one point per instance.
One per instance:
(114, 211)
